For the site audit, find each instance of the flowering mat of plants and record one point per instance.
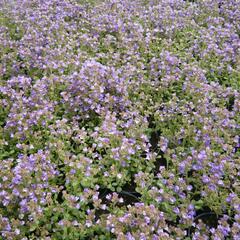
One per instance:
(119, 119)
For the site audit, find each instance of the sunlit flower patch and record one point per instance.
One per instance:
(119, 119)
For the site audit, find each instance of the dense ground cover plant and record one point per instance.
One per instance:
(119, 119)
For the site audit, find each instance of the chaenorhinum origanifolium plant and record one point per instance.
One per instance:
(119, 120)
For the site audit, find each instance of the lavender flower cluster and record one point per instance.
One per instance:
(119, 119)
